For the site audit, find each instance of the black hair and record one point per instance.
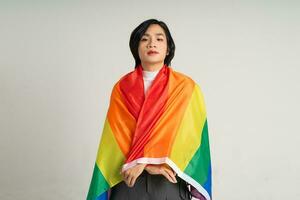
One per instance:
(139, 31)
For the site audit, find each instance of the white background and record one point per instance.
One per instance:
(60, 59)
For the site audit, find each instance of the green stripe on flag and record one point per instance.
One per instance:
(98, 184)
(199, 165)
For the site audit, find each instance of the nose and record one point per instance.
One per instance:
(151, 44)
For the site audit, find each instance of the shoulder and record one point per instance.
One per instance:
(183, 77)
(123, 78)
(187, 80)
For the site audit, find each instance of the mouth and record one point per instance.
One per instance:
(152, 52)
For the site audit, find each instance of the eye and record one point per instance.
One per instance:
(143, 39)
(160, 39)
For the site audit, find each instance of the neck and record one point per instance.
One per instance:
(151, 66)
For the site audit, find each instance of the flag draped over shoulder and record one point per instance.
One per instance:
(168, 125)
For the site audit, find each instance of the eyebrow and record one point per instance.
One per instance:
(158, 34)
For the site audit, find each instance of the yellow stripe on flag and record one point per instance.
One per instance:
(110, 158)
(189, 133)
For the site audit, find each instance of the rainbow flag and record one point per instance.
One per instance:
(168, 125)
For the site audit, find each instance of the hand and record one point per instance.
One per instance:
(131, 174)
(163, 169)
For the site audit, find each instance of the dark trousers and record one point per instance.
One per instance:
(151, 187)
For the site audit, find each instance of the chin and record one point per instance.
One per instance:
(153, 60)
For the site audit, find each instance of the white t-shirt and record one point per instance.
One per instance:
(148, 77)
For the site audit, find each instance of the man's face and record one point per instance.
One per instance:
(154, 39)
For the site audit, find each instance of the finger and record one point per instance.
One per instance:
(169, 168)
(126, 178)
(171, 174)
(129, 180)
(132, 181)
(126, 175)
(134, 177)
(167, 176)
